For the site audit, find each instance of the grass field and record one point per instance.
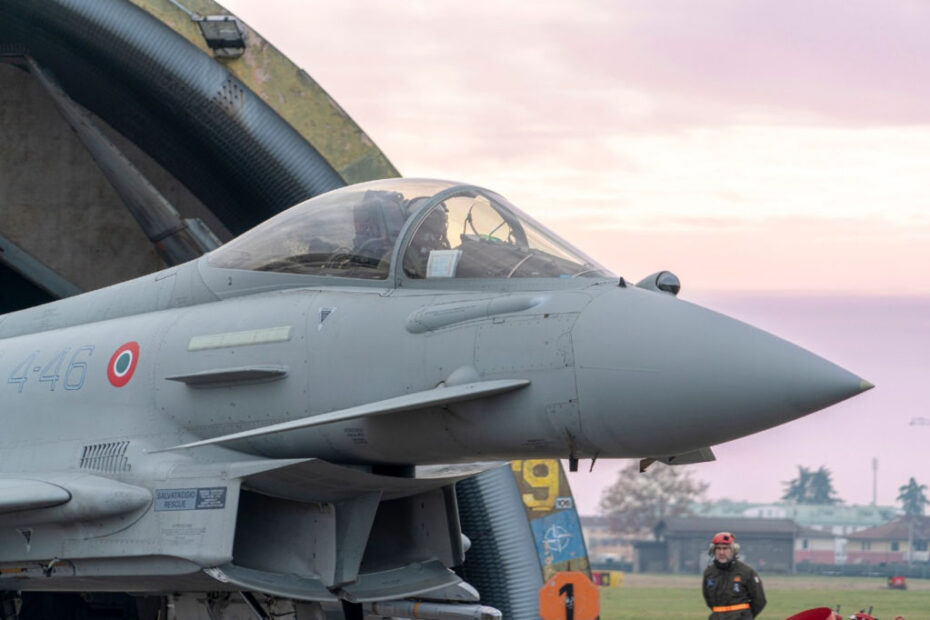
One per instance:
(678, 597)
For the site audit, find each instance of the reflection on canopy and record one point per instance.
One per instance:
(459, 232)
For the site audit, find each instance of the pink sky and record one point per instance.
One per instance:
(776, 156)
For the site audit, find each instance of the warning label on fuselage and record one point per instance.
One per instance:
(205, 498)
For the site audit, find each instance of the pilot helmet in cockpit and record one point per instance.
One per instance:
(378, 218)
(432, 234)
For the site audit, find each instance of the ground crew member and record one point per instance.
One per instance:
(732, 589)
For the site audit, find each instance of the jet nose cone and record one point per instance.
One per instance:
(658, 376)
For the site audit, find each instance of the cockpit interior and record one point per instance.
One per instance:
(428, 229)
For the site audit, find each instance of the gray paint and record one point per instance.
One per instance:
(492, 370)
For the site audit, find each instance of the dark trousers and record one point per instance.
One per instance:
(742, 614)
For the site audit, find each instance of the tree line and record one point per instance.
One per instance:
(639, 500)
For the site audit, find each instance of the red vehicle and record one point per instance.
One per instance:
(818, 613)
(897, 582)
(825, 613)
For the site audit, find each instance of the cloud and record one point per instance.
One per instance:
(627, 64)
(841, 62)
(796, 254)
(658, 135)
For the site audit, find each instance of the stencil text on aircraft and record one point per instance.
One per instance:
(53, 370)
(203, 498)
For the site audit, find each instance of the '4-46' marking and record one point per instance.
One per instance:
(51, 372)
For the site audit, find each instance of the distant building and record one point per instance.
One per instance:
(817, 546)
(684, 541)
(775, 537)
(901, 540)
(838, 519)
(603, 545)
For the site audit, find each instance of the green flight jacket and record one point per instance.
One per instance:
(737, 583)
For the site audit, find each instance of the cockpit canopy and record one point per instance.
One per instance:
(444, 230)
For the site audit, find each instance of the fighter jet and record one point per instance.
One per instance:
(288, 414)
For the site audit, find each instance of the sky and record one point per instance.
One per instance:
(774, 155)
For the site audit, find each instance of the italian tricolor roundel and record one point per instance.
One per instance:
(123, 364)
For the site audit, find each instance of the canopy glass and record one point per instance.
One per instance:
(444, 230)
